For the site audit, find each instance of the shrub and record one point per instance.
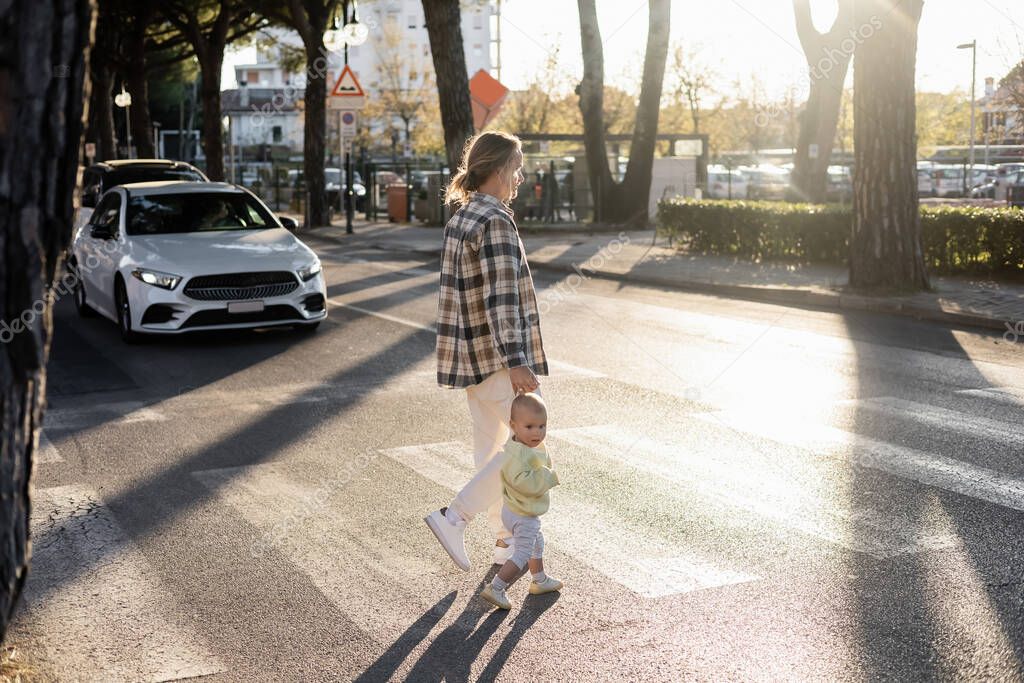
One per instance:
(954, 238)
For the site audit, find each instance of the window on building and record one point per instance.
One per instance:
(478, 50)
(252, 77)
(478, 20)
(412, 21)
(276, 132)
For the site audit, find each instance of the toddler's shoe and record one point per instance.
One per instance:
(548, 585)
(503, 555)
(495, 597)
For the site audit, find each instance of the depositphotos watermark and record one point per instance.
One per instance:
(62, 287)
(1014, 331)
(312, 505)
(831, 60)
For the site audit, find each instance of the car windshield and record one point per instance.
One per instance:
(162, 214)
(335, 176)
(123, 176)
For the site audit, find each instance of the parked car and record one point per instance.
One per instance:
(336, 180)
(925, 179)
(104, 175)
(1005, 173)
(1015, 189)
(839, 184)
(949, 180)
(766, 182)
(173, 257)
(724, 183)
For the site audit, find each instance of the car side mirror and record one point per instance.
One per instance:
(100, 232)
(89, 200)
(289, 224)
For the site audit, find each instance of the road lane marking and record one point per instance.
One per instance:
(1011, 395)
(939, 471)
(47, 452)
(348, 559)
(738, 481)
(646, 566)
(566, 368)
(942, 418)
(93, 599)
(122, 412)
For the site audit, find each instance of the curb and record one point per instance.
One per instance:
(773, 295)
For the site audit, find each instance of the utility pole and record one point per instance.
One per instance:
(973, 47)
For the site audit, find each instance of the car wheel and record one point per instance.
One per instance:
(81, 305)
(307, 328)
(124, 315)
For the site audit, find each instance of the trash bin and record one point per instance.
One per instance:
(398, 207)
(1015, 195)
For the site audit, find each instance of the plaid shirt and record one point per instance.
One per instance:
(487, 316)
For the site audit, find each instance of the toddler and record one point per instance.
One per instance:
(526, 477)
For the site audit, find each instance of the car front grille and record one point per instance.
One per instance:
(241, 286)
(271, 314)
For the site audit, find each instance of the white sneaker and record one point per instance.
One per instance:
(548, 585)
(503, 555)
(495, 597)
(451, 536)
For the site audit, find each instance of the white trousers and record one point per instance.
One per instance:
(490, 406)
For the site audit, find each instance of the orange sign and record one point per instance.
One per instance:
(486, 95)
(347, 85)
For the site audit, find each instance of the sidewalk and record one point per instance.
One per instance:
(640, 259)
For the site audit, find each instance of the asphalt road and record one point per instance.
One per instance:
(750, 492)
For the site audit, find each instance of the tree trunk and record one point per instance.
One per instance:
(43, 87)
(101, 112)
(828, 60)
(444, 27)
(624, 202)
(136, 83)
(213, 131)
(885, 246)
(315, 138)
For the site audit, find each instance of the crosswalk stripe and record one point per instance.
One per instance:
(122, 412)
(735, 479)
(109, 615)
(300, 520)
(47, 452)
(1010, 395)
(939, 471)
(943, 418)
(562, 366)
(646, 566)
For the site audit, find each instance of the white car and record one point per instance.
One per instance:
(724, 183)
(173, 257)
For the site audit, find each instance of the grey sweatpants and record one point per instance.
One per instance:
(527, 539)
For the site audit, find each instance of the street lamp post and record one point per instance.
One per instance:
(973, 47)
(124, 99)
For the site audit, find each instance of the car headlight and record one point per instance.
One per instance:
(309, 272)
(156, 278)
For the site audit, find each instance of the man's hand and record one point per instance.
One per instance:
(523, 379)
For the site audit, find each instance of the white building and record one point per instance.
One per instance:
(266, 107)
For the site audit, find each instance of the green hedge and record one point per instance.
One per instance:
(954, 238)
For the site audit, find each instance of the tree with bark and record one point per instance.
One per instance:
(693, 81)
(885, 245)
(209, 26)
(828, 58)
(444, 28)
(625, 201)
(43, 88)
(309, 18)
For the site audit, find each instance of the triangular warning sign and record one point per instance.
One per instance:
(347, 85)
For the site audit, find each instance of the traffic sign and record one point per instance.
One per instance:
(348, 124)
(347, 93)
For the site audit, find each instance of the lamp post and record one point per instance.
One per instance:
(124, 99)
(335, 39)
(973, 47)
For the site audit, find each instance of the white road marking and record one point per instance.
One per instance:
(738, 480)
(300, 519)
(1011, 395)
(942, 418)
(47, 452)
(939, 471)
(93, 599)
(644, 566)
(562, 366)
(123, 412)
